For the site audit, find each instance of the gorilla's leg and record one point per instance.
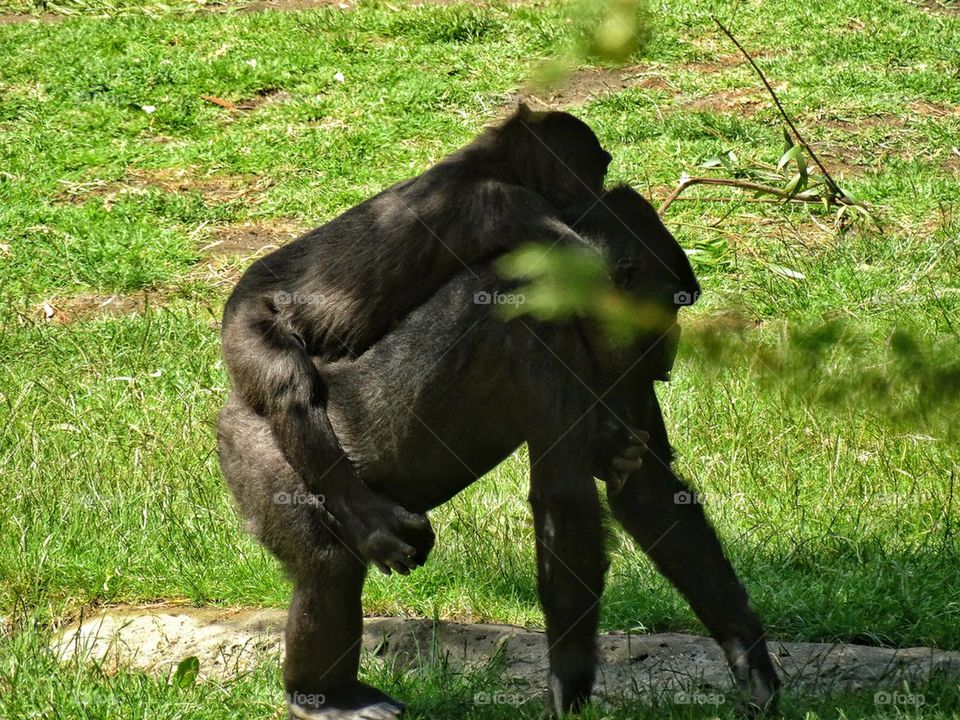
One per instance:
(323, 634)
(325, 621)
(276, 377)
(570, 570)
(654, 507)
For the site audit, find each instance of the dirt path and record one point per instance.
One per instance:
(231, 641)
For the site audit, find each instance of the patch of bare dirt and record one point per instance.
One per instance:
(250, 240)
(857, 159)
(255, 6)
(263, 97)
(476, 3)
(862, 123)
(215, 188)
(17, 18)
(260, 5)
(857, 144)
(583, 85)
(67, 310)
(929, 109)
(844, 159)
(921, 108)
(952, 163)
(852, 166)
(742, 101)
(715, 46)
(940, 7)
(718, 64)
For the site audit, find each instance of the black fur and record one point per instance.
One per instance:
(448, 394)
(334, 292)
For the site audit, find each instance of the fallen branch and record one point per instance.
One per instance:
(761, 200)
(837, 194)
(742, 184)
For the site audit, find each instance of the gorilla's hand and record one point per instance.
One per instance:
(383, 532)
(628, 446)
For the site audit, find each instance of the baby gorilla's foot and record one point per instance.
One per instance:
(627, 458)
(356, 702)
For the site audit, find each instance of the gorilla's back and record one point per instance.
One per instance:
(426, 410)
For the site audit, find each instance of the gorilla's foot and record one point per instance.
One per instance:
(355, 702)
(756, 679)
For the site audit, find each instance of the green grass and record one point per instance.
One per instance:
(840, 515)
(35, 686)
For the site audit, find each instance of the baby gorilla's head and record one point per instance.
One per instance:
(555, 155)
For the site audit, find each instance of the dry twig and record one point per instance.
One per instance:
(743, 184)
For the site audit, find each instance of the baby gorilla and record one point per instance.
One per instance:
(446, 396)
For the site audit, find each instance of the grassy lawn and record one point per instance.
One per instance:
(118, 179)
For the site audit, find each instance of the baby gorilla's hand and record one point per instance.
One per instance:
(384, 533)
(629, 445)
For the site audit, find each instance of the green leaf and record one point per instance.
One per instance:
(802, 168)
(186, 672)
(793, 187)
(795, 154)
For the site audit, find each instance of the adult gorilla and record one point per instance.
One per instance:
(451, 392)
(339, 288)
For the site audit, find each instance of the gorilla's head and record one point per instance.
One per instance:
(554, 154)
(646, 261)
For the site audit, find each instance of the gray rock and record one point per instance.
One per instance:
(228, 642)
